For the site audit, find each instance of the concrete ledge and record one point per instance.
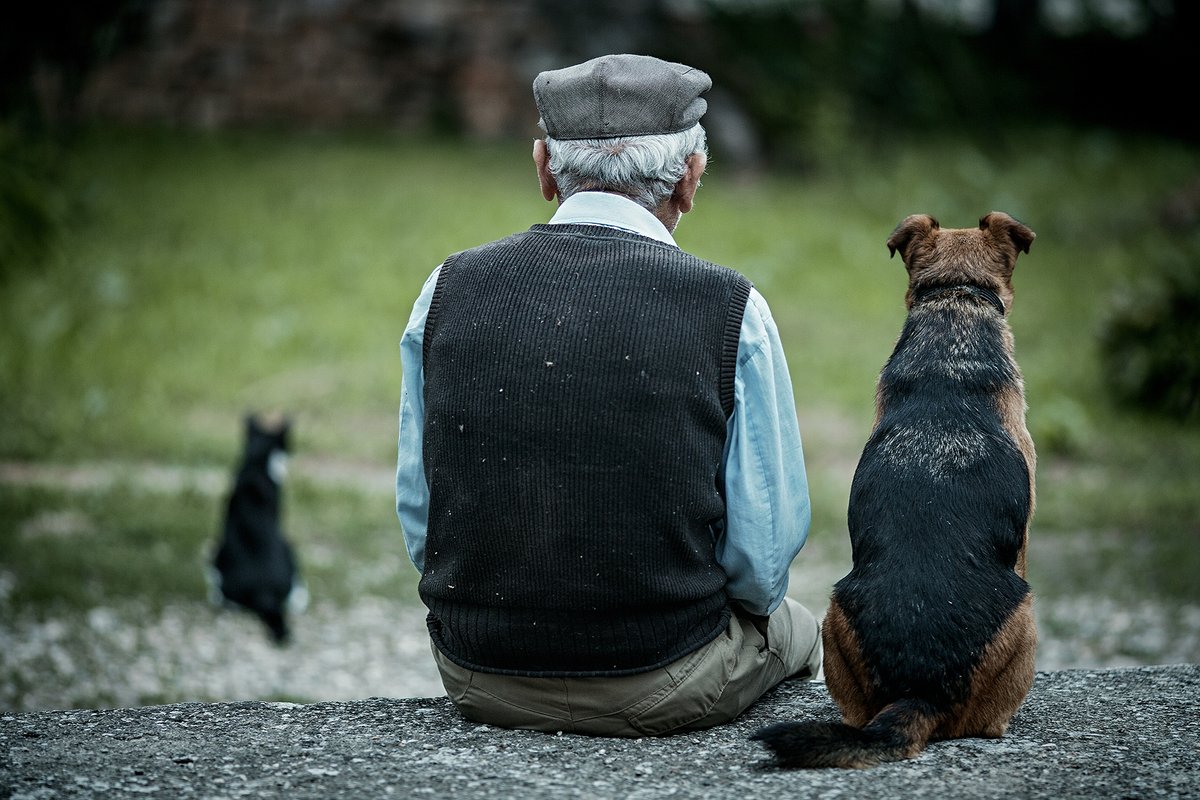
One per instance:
(1128, 733)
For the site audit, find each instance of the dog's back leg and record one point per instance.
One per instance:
(845, 673)
(1002, 679)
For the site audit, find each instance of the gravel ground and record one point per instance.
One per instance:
(1080, 735)
(126, 656)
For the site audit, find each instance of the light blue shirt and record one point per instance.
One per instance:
(767, 512)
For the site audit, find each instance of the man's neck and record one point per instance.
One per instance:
(614, 211)
(668, 215)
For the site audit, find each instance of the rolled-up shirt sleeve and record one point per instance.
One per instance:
(412, 491)
(767, 511)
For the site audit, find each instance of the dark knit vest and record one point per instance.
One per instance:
(578, 381)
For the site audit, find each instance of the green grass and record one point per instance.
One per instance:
(133, 554)
(74, 550)
(206, 276)
(201, 276)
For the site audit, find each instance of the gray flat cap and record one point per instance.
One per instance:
(620, 95)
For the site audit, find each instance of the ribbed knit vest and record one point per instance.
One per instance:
(578, 381)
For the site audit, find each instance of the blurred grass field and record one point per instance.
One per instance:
(202, 276)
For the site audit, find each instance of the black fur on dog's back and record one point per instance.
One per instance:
(931, 635)
(939, 481)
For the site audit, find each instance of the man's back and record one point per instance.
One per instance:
(600, 474)
(578, 381)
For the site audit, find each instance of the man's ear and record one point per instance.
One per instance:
(541, 159)
(685, 190)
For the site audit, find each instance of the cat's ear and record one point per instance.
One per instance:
(251, 422)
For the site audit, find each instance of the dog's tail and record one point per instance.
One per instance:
(899, 731)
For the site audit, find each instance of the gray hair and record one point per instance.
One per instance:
(643, 168)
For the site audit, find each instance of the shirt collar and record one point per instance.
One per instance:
(611, 211)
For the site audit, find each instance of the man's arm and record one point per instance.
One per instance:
(412, 490)
(767, 512)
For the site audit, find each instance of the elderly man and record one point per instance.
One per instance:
(600, 473)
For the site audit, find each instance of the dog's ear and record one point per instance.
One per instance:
(912, 227)
(1000, 223)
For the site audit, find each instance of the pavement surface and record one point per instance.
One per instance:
(1116, 733)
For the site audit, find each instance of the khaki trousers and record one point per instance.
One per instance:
(708, 687)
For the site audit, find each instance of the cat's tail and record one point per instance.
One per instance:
(276, 623)
(901, 730)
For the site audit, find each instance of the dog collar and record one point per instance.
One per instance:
(982, 292)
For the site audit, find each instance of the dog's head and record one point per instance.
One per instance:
(983, 256)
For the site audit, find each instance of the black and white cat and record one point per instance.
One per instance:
(255, 567)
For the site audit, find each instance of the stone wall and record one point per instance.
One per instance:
(461, 65)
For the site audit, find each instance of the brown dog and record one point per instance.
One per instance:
(931, 635)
